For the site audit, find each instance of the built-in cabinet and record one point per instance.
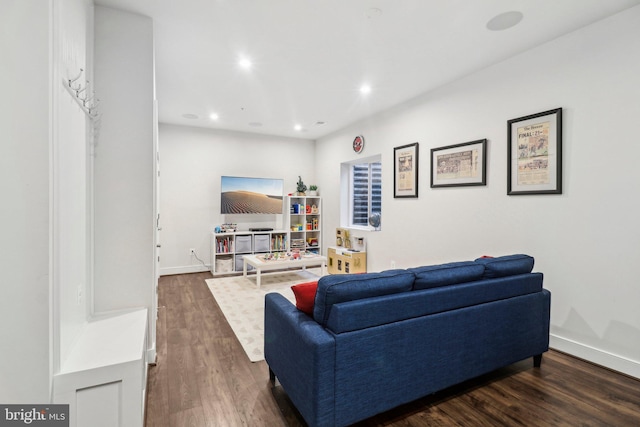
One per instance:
(106, 372)
(100, 348)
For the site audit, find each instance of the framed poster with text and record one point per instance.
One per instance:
(459, 165)
(534, 154)
(405, 171)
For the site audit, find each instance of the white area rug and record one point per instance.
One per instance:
(242, 303)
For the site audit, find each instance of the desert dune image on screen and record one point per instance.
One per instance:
(251, 195)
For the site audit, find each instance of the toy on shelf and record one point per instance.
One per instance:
(229, 228)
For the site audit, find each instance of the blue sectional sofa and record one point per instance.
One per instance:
(379, 340)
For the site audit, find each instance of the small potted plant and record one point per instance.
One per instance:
(313, 190)
(301, 188)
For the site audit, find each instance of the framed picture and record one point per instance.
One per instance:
(459, 165)
(534, 156)
(405, 173)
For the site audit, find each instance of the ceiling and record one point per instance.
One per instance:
(311, 57)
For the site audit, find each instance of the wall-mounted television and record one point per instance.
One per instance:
(241, 195)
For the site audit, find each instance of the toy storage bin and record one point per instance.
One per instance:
(243, 244)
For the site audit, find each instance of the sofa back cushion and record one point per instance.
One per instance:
(371, 312)
(434, 276)
(508, 265)
(334, 289)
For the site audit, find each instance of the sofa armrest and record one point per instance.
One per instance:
(301, 354)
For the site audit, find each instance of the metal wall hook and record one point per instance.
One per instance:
(71, 81)
(94, 104)
(93, 110)
(87, 99)
(79, 91)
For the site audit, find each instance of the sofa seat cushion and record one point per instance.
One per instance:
(508, 265)
(434, 276)
(334, 289)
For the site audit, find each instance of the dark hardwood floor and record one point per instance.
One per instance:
(203, 378)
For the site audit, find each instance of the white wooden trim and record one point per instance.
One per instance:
(168, 271)
(608, 360)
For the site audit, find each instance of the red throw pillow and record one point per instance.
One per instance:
(305, 296)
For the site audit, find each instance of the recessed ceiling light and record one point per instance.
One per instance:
(245, 63)
(505, 21)
(214, 116)
(365, 89)
(298, 127)
(190, 116)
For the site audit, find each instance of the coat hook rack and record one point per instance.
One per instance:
(87, 103)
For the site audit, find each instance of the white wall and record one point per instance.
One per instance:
(585, 240)
(45, 167)
(24, 211)
(191, 163)
(124, 218)
(70, 178)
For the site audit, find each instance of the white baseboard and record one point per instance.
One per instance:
(183, 270)
(597, 356)
(151, 356)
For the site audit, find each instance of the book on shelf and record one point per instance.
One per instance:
(298, 209)
(279, 242)
(297, 244)
(224, 245)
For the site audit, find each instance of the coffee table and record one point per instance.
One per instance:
(259, 263)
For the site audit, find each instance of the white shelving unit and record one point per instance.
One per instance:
(302, 231)
(227, 249)
(304, 223)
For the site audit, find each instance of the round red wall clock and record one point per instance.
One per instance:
(358, 144)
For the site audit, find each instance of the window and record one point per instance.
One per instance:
(362, 186)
